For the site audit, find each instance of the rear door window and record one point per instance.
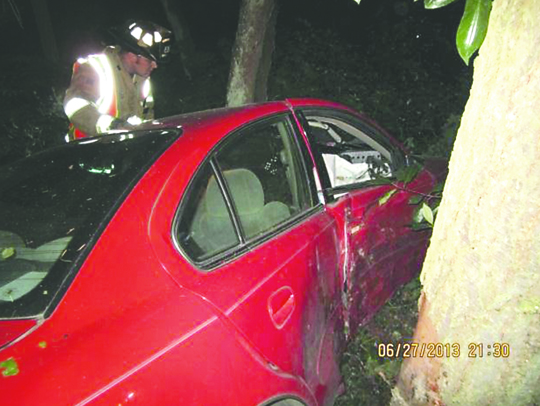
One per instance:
(206, 226)
(264, 175)
(252, 184)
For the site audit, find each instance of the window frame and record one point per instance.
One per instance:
(246, 244)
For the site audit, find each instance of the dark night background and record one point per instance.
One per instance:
(390, 59)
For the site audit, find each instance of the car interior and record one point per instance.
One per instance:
(212, 225)
(23, 268)
(261, 170)
(350, 156)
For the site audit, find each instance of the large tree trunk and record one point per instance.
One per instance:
(481, 277)
(252, 52)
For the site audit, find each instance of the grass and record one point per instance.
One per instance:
(369, 378)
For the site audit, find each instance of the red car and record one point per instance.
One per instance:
(213, 258)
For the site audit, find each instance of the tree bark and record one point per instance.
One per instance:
(46, 33)
(252, 52)
(481, 277)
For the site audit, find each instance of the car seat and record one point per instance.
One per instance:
(213, 229)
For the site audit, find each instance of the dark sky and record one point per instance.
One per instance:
(77, 24)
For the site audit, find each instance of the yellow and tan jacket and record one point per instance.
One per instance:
(102, 91)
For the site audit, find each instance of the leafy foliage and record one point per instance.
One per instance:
(368, 377)
(31, 99)
(427, 213)
(472, 28)
(433, 4)
(414, 98)
(387, 196)
(427, 206)
(6, 253)
(408, 173)
(176, 94)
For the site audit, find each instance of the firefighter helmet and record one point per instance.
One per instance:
(143, 38)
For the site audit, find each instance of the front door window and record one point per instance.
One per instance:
(350, 155)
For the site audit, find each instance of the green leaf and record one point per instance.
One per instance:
(387, 196)
(408, 173)
(417, 216)
(7, 253)
(418, 223)
(380, 180)
(10, 367)
(416, 199)
(420, 226)
(472, 28)
(427, 213)
(439, 187)
(432, 4)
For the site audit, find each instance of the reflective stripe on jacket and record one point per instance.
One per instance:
(101, 91)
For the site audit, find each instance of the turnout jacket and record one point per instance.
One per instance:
(102, 91)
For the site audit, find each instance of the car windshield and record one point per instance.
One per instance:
(53, 207)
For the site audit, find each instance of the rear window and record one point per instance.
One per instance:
(54, 205)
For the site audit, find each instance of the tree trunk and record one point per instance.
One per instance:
(252, 52)
(181, 35)
(481, 277)
(46, 33)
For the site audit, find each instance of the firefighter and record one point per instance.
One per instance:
(111, 90)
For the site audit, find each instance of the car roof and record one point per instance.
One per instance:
(219, 116)
(236, 116)
(203, 129)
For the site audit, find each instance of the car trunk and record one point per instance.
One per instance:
(10, 330)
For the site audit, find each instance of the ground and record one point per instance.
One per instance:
(368, 377)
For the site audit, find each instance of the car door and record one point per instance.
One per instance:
(357, 164)
(266, 250)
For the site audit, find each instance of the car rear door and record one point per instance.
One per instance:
(265, 253)
(357, 164)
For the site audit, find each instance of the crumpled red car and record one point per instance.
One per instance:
(212, 258)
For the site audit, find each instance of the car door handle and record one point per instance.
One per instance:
(281, 306)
